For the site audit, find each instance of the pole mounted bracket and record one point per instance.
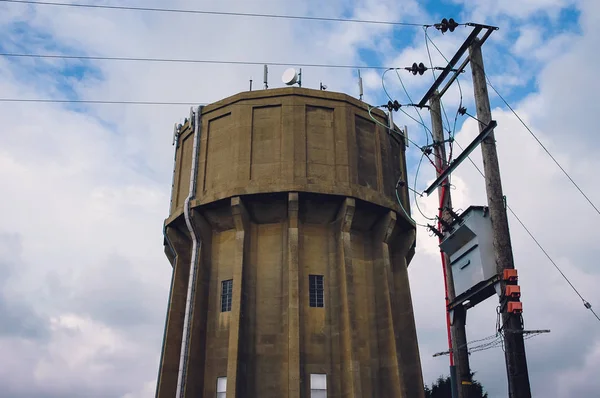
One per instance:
(462, 157)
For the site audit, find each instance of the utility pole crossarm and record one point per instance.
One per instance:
(489, 129)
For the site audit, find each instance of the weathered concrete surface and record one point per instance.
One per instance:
(294, 182)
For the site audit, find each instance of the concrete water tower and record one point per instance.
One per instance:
(289, 252)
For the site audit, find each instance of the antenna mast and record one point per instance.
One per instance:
(266, 77)
(360, 86)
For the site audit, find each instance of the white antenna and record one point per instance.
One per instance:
(360, 86)
(266, 75)
(289, 77)
(175, 133)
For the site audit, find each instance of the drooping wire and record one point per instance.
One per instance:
(389, 131)
(434, 75)
(411, 101)
(450, 131)
(460, 105)
(415, 189)
(427, 130)
(586, 304)
(383, 84)
(392, 133)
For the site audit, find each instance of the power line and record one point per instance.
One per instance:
(543, 147)
(434, 75)
(530, 132)
(184, 60)
(71, 101)
(220, 13)
(586, 304)
(135, 102)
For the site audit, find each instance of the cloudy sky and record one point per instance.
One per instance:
(83, 278)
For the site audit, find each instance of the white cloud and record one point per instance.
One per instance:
(87, 187)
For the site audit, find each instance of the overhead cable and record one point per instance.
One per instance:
(72, 101)
(544, 147)
(532, 134)
(184, 60)
(219, 13)
(586, 304)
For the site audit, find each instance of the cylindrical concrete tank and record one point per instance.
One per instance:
(301, 285)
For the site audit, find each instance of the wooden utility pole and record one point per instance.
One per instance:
(460, 372)
(516, 361)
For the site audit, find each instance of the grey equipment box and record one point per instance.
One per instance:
(470, 249)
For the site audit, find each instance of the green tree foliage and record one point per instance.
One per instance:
(442, 389)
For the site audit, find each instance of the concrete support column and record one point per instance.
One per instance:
(351, 382)
(169, 366)
(404, 317)
(293, 299)
(392, 377)
(194, 385)
(235, 368)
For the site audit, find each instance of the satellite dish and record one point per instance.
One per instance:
(290, 76)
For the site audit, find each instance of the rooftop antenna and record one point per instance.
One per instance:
(322, 87)
(360, 87)
(250, 84)
(266, 77)
(291, 77)
(175, 133)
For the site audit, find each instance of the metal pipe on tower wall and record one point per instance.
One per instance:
(172, 249)
(187, 320)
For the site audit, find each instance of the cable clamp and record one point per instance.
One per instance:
(435, 231)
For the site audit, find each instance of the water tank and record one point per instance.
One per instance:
(300, 284)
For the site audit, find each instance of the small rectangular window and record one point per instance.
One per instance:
(226, 293)
(221, 387)
(318, 386)
(316, 298)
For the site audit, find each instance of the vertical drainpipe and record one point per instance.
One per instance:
(185, 340)
(169, 244)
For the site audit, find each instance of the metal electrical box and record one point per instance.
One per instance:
(470, 249)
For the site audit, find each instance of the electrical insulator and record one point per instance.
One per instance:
(393, 105)
(446, 25)
(417, 68)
